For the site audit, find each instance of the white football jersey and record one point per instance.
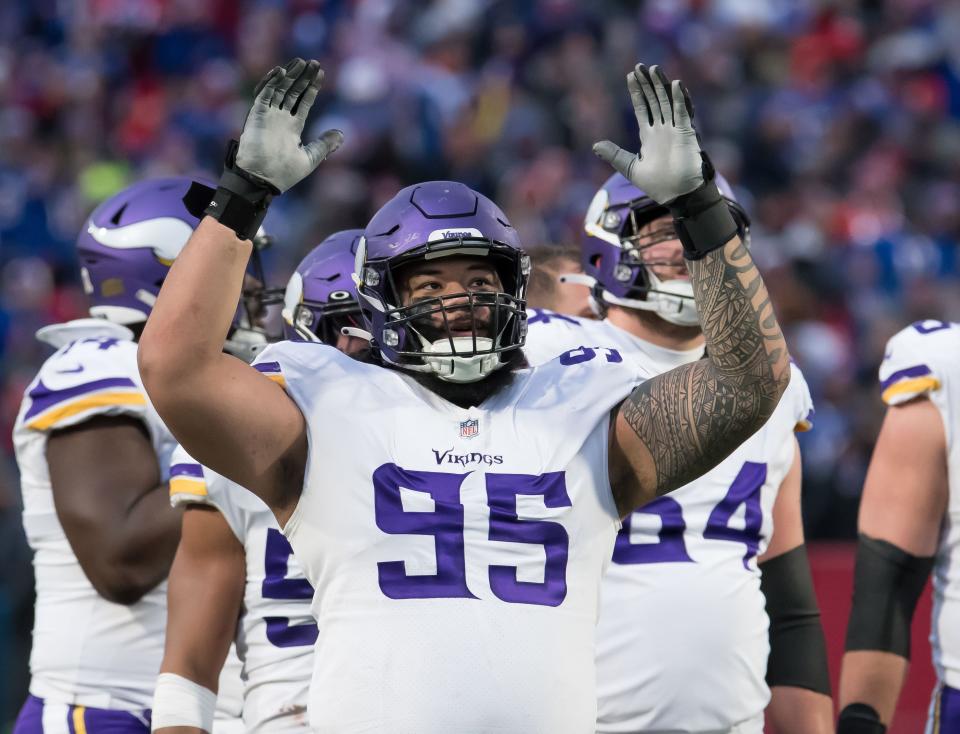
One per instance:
(924, 359)
(228, 715)
(682, 642)
(549, 334)
(276, 630)
(456, 553)
(86, 650)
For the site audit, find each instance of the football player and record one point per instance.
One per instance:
(698, 564)
(454, 513)
(94, 460)
(909, 524)
(547, 290)
(233, 563)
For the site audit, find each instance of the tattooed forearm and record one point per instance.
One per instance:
(690, 418)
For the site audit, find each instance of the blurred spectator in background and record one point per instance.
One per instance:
(545, 289)
(16, 601)
(837, 122)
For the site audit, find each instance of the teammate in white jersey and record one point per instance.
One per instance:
(909, 525)
(453, 510)
(685, 585)
(233, 563)
(94, 462)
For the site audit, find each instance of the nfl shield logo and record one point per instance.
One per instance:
(470, 428)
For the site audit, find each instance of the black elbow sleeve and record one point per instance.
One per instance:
(887, 584)
(798, 649)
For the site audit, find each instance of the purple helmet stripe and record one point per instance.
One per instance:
(128, 243)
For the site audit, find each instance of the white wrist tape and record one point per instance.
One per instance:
(178, 701)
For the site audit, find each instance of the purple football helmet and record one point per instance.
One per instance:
(425, 222)
(126, 249)
(612, 255)
(321, 298)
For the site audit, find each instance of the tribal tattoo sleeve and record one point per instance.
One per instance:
(690, 418)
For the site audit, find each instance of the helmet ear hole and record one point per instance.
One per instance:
(321, 289)
(595, 260)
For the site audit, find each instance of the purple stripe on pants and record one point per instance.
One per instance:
(96, 721)
(30, 720)
(949, 711)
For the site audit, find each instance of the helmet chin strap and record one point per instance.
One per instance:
(446, 367)
(590, 282)
(578, 279)
(671, 300)
(356, 333)
(676, 309)
(460, 369)
(245, 343)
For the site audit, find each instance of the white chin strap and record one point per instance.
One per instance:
(245, 343)
(356, 333)
(448, 368)
(671, 300)
(460, 369)
(590, 282)
(578, 279)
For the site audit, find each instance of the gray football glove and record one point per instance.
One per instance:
(671, 168)
(269, 158)
(669, 162)
(270, 146)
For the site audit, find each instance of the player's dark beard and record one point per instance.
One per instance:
(668, 328)
(468, 394)
(661, 325)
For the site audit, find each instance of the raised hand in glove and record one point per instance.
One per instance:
(670, 166)
(270, 156)
(270, 147)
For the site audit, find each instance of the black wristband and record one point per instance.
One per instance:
(859, 718)
(703, 220)
(241, 199)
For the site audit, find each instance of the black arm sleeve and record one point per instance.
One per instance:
(887, 583)
(798, 649)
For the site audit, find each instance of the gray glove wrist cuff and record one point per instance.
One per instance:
(703, 220)
(241, 199)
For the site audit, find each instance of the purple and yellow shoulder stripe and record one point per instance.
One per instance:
(48, 406)
(806, 423)
(908, 382)
(187, 478)
(271, 370)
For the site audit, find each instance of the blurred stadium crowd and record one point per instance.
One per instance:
(837, 122)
